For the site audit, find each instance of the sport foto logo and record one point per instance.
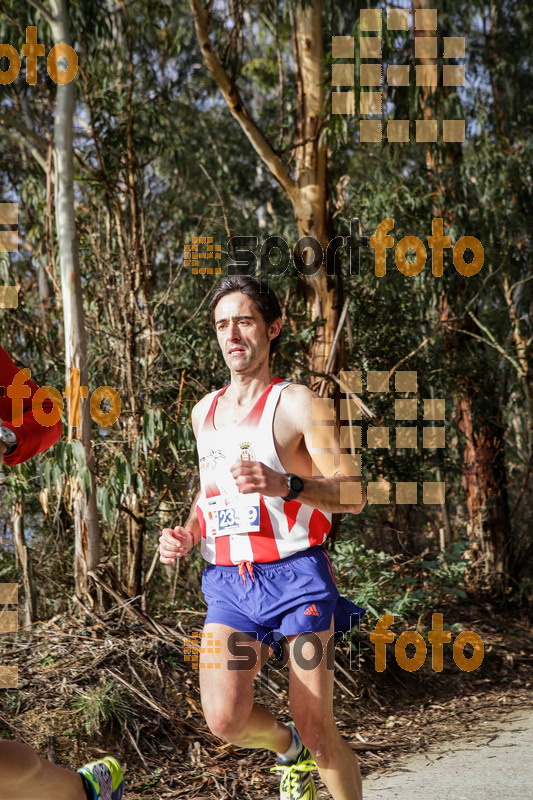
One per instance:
(275, 255)
(18, 391)
(32, 50)
(8, 624)
(405, 437)
(307, 649)
(371, 101)
(437, 637)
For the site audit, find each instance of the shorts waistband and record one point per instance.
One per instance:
(272, 565)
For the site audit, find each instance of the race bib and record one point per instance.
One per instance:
(228, 515)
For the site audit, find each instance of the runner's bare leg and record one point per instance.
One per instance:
(311, 700)
(27, 776)
(228, 697)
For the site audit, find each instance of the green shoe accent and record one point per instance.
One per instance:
(105, 777)
(296, 782)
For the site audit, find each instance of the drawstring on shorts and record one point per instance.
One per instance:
(250, 567)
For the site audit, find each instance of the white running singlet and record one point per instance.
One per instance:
(249, 527)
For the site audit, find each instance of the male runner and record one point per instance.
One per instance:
(23, 774)
(262, 515)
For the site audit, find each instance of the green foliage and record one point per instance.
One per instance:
(68, 461)
(383, 584)
(153, 779)
(12, 702)
(101, 707)
(7, 564)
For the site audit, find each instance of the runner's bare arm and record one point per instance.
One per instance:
(176, 542)
(307, 425)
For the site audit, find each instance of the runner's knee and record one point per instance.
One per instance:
(18, 764)
(319, 737)
(228, 724)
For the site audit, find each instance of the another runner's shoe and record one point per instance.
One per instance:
(296, 782)
(105, 778)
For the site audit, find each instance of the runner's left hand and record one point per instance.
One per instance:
(254, 476)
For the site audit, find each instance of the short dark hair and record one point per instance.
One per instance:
(260, 292)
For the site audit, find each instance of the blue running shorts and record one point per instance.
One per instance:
(290, 596)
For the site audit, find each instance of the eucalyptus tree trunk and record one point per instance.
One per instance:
(482, 432)
(24, 554)
(324, 293)
(307, 187)
(87, 534)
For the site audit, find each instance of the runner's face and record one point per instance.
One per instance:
(242, 332)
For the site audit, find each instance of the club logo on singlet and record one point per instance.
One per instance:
(209, 462)
(247, 454)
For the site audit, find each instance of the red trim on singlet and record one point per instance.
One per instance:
(209, 420)
(264, 545)
(252, 419)
(319, 527)
(211, 489)
(222, 551)
(201, 520)
(290, 509)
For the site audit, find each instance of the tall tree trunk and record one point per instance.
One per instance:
(135, 546)
(24, 554)
(307, 190)
(87, 534)
(483, 450)
(484, 472)
(484, 479)
(501, 85)
(324, 293)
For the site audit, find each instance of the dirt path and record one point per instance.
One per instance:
(496, 760)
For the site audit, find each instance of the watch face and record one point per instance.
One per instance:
(297, 483)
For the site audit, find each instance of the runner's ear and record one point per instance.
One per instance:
(275, 328)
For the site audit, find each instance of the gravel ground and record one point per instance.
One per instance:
(496, 760)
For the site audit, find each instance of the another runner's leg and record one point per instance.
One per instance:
(311, 700)
(227, 692)
(24, 774)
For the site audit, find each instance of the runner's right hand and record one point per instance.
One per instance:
(174, 543)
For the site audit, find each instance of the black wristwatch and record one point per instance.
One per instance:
(295, 486)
